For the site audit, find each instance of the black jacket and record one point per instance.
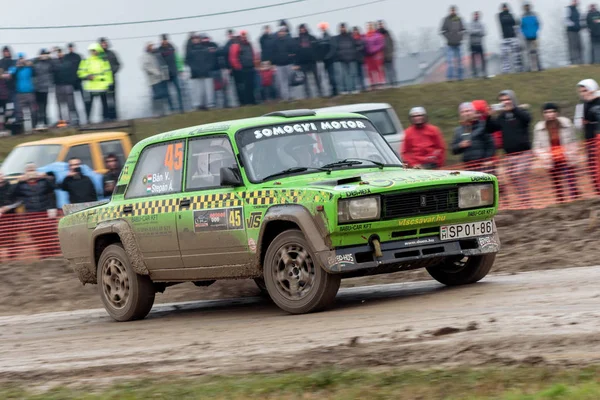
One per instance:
(283, 50)
(507, 22)
(482, 143)
(110, 176)
(575, 17)
(80, 190)
(593, 24)
(6, 195)
(267, 42)
(515, 130)
(74, 60)
(326, 51)
(345, 48)
(169, 56)
(115, 64)
(36, 197)
(202, 59)
(591, 114)
(63, 72)
(306, 49)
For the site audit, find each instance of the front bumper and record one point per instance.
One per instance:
(405, 254)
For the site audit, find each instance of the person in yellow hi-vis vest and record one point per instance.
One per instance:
(97, 77)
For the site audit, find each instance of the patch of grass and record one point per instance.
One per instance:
(514, 383)
(440, 99)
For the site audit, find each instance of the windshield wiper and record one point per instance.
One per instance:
(293, 170)
(349, 162)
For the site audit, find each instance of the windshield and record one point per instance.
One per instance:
(305, 147)
(381, 119)
(41, 155)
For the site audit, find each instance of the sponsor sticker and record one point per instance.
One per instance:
(252, 245)
(218, 219)
(341, 259)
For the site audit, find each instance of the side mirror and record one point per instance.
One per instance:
(230, 177)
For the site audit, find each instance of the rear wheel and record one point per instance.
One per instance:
(294, 280)
(126, 295)
(465, 271)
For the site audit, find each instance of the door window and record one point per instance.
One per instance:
(206, 157)
(159, 171)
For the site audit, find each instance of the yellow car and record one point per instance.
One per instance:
(90, 148)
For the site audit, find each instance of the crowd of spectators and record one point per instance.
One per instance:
(26, 83)
(507, 126)
(352, 61)
(520, 38)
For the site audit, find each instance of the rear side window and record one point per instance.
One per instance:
(159, 171)
(113, 147)
(382, 121)
(82, 152)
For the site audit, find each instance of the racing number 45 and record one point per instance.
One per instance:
(174, 156)
(235, 218)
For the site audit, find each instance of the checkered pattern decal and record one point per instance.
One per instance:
(208, 201)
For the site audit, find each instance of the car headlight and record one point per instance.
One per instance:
(360, 209)
(472, 196)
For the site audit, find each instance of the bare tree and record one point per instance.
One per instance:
(426, 39)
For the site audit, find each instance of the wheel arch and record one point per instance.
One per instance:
(279, 219)
(118, 231)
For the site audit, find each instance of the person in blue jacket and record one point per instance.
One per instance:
(23, 74)
(530, 27)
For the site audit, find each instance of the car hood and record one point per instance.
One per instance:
(360, 182)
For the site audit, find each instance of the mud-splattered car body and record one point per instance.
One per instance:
(193, 205)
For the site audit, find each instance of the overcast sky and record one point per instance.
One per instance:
(401, 15)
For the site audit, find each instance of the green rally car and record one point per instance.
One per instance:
(292, 200)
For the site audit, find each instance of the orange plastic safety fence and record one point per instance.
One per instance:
(538, 179)
(532, 179)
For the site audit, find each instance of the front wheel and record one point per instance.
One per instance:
(126, 295)
(294, 279)
(465, 271)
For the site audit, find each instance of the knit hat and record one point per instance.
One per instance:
(417, 111)
(589, 84)
(550, 106)
(323, 25)
(466, 106)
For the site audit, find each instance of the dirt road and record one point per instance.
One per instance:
(536, 317)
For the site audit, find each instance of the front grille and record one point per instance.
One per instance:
(422, 202)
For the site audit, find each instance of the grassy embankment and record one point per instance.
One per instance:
(507, 383)
(441, 101)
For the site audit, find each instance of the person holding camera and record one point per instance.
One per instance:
(514, 122)
(79, 187)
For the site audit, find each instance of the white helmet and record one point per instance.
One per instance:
(417, 111)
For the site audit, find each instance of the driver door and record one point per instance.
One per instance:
(210, 218)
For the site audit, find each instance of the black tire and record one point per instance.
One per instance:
(300, 274)
(262, 287)
(126, 295)
(452, 273)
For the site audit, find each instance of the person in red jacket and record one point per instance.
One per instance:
(423, 146)
(241, 59)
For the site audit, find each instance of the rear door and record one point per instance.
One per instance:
(210, 218)
(151, 202)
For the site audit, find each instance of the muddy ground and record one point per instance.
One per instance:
(552, 238)
(545, 318)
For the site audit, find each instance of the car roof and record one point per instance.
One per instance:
(230, 127)
(77, 139)
(355, 108)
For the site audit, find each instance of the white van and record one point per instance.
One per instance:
(382, 115)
